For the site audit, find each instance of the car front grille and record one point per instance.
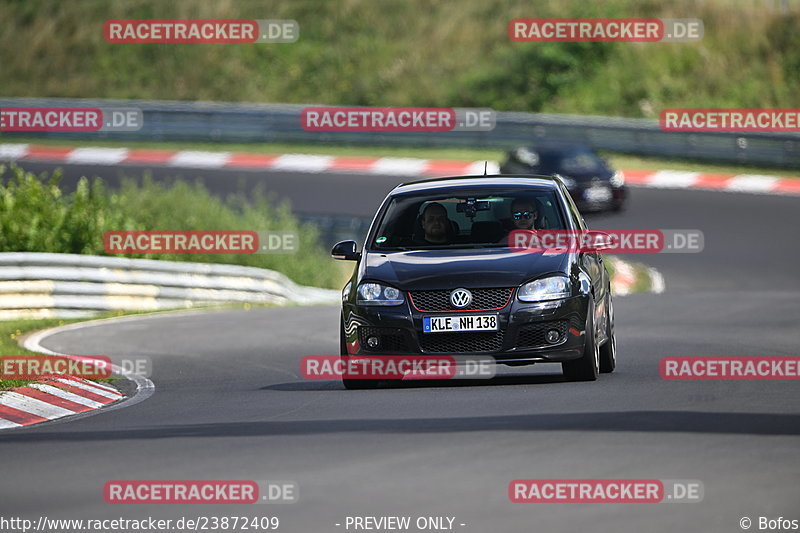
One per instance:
(439, 300)
(533, 335)
(391, 340)
(458, 342)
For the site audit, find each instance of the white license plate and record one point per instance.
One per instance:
(437, 324)
(597, 194)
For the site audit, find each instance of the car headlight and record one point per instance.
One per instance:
(527, 157)
(552, 288)
(618, 179)
(378, 294)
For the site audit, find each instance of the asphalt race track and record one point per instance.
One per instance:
(229, 402)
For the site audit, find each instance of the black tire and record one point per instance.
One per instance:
(608, 351)
(587, 367)
(352, 384)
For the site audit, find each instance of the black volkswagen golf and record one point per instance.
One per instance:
(437, 253)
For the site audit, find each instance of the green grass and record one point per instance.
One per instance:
(643, 281)
(411, 52)
(610, 267)
(11, 331)
(618, 160)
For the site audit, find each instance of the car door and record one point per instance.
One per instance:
(592, 264)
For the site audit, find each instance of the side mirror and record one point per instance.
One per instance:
(599, 241)
(345, 250)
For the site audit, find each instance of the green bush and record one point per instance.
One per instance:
(529, 76)
(35, 216)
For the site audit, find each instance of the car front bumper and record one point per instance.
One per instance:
(520, 338)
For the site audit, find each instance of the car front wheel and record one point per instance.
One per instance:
(587, 367)
(608, 352)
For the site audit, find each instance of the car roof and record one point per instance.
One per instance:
(556, 147)
(501, 180)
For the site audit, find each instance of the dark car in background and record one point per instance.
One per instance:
(592, 183)
(438, 252)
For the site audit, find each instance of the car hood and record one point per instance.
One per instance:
(443, 269)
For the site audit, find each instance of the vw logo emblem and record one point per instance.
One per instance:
(460, 298)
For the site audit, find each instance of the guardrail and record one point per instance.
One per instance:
(39, 285)
(269, 123)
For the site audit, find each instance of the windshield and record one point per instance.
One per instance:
(575, 161)
(471, 219)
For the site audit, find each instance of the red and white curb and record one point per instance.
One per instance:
(285, 162)
(58, 396)
(659, 179)
(747, 183)
(52, 398)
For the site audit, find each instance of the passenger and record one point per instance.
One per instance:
(524, 214)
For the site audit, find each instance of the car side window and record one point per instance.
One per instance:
(573, 209)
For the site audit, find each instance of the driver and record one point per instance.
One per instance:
(435, 224)
(524, 214)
